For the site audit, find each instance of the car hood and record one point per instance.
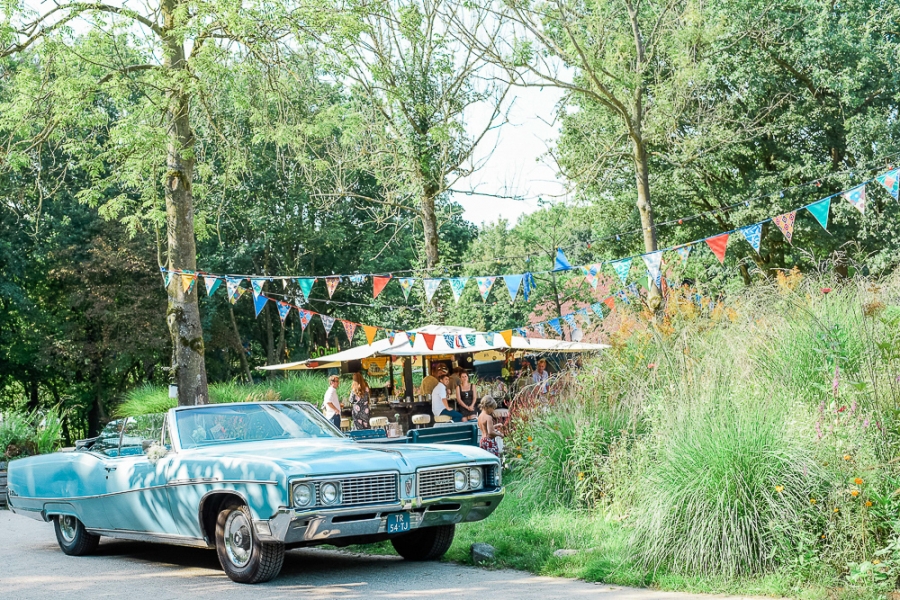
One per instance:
(326, 457)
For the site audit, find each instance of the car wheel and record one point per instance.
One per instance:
(429, 543)
(242, 555)
(73, 538)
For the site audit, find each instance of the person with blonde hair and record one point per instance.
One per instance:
(489, 433)
(359, 401)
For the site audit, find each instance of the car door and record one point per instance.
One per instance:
(136, 498)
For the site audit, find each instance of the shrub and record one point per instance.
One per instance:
(25, 434)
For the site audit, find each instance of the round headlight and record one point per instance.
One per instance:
(460, 479)
(329, 493)
(302, 495)
(474, 478)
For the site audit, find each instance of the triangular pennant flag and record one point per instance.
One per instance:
(305, 317)
(470, 339)
(555, 324)
(529, 286)
(357, 279)
(584, 315)
(622, 267)
(306, 285)
(212, 284)
(284, 283)
(331, 283)
(431, 286)
(621, 296)
(257, 285)
(512, 285)
(370, 330)
(259, 302)
(429, 339)
(717, 244)
(238, 292)
(570, 319)
(891, 182)
(458, 284)
(561, 263)
(522, 332)
(459, 342)
(406, 284)
(820, 211)
(187, 282)
(857, 197)
(597, 307)
(283, 310)
(610, 303)
(488, 338)
(328, 322)
(233, 284)
(484, 286)
(684, 251)
(753, 233)
(653, 262)
(168, 278)
(449, 339)
(539, 328)
(633, 288)
(507, 336)
(785, 223)
(411, 337)
(349, 329)
(391, 335)
(378, 283)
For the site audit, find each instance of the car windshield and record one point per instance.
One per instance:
(207, 425)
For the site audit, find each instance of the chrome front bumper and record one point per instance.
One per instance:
(297, 527)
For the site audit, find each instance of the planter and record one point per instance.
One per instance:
(2, 484)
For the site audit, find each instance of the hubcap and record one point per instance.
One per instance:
(238, 539)
(67, 527)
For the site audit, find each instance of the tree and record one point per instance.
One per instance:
(157, 68)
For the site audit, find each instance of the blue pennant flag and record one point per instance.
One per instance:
(820, 211)
(570, 319)
(891, 182)
(561, 263)
(554, 323)
(284, 309)
(633, 288)
(470, 339)
(257, 285)
(622, 267)
(431, 286)
(488, 337)
(458, 284)
(357, 279)
(513, 282)
(259, 302)
(752, 233)
(521, 332)
(306, 285)
(529, 286)
(623, 297)
(449, 339)
(539, 328)
(654, 264)
(584, 315)
(212, 284)
(597, 307)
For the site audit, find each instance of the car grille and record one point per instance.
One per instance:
(436, 483)
(374, 489)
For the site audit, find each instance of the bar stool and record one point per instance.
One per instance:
(443, 419)
(345, 424)
(419, 420)
(378, 423)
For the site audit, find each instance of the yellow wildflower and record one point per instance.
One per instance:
(779, 488)
(858, 481)
(868, 503)
(876, 562)
(581, 476)
(518, 456)
(529, 438)
(854, 493)
(812, 500)
(847, 457)
(836, 509)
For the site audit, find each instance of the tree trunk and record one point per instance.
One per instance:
(34, 401)
(429, 224)
(556, 301)
(645, 208)
(270, 337)
(239, 347)
(183, 315)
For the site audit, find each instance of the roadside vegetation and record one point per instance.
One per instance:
(749, 450)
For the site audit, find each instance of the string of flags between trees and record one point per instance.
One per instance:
(514, 283)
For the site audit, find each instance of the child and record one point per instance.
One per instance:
(486, 426)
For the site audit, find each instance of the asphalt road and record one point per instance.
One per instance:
(32, 566)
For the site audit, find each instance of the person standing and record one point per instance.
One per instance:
(439, 403)
(466, 398)
(540, 376)
(331, 403)
(489, 433)
(359, 399)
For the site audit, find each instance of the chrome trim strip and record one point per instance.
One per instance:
(143, 536)
(153, 487)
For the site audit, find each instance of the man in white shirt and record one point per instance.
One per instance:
(332, 404)
(540, 376)
(439, 403)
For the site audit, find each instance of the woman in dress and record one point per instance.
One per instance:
(489, 434)
(466, 398)
(359, 400)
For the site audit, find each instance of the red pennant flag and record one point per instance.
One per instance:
(610, 303)
(429, 339)
(378, 283)
(717, 244)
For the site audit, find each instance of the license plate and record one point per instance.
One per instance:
(398, 523)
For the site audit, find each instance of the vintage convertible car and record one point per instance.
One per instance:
(251, 480)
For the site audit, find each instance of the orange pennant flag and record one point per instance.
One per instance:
(507, 336)
(187, 281)
(429, 339)
(370, 333)
(610, 303)
(378, 284)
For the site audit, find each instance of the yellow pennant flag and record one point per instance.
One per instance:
(187, 281)
(507, 336)
(370, 333)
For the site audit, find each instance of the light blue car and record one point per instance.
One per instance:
(252, 480)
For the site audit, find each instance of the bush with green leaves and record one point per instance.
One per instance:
(29, 433)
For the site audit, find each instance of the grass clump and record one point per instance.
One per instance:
(29, 433)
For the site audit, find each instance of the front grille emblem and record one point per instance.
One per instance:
(409, 484)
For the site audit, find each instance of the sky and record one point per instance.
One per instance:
(516, 163)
